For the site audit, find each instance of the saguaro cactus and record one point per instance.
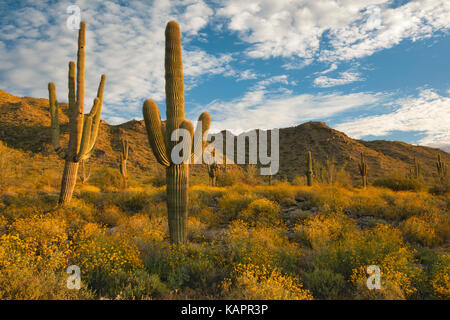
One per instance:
(363, 171)
(159, 134)
(123, 162)
(441, 168)
(309, 171)
(417, 170)
(82, 130)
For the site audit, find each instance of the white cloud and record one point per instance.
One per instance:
(125, 42)
(333, 67)
(429, 113)
(354, 28)
(345, 78)
(265, 108)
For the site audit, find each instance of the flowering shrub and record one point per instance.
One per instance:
(261, 212)
(255, 282)
(94, 251)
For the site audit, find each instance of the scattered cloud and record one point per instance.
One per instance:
(125, 41)
(345, 78)
(333, 67)
(267, 105)
(429, 113)
(352, 28)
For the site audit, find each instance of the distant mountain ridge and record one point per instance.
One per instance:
(25, 125)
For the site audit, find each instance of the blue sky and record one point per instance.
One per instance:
(374, 69)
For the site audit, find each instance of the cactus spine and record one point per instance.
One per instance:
(309, 171)
(363, 171)
(82, 130)
(441, 168)
(159, 134)
(123, 162)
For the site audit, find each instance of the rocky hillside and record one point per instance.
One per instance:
(25, 126)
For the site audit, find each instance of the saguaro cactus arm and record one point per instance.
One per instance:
(91, 125)
(199, 138)
(154, 128)
(54, 115)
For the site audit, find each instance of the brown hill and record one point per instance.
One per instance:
(25, 126)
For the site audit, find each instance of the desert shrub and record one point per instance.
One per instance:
(440, 277)
(329, 198)
(391, 205)
(281, 192)
(198, 266)
(430, 229)
(441, 188)
(261, 212)
(251, 175)
(325, 284)
(99, 256)
(108, 179)
(267, 246)
(399, 183)
(299, 181)
(364, 204)
(48, 236)
(207, 216)
(256, 282)
(158, 178)
(141, 228)
(22, 206)
(322, 230)
(201, 197)
(30, 270)
(231, 176)
(230, 204)
(349, 253)
(132, 201)
(110, 215)
(196, 229)
(138, 285)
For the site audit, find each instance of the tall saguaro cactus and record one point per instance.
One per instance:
(160, 133)
(82, 130)
(309, 170)
(363, 171)
(417, 170)
(441, 168)
(123, 162)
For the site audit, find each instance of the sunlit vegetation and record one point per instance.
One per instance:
(247, 239)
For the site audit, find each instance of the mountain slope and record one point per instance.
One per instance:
(25, 126)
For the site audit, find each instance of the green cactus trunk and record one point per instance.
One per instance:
(364, 181)
(69, 180)
(177, 178)
(159, 133)
(309, 171)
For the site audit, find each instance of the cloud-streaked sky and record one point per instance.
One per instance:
(375, 69)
